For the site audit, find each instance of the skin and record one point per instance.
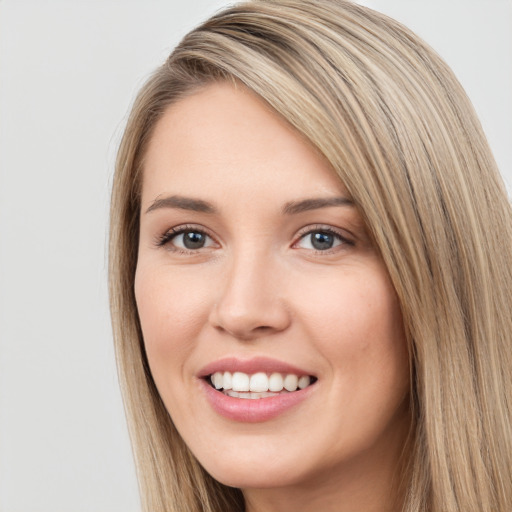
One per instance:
(258, 287)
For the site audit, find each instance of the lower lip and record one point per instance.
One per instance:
(248, 410)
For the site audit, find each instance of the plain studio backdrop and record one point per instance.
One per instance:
(69, 70)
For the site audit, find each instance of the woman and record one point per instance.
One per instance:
(310, 277)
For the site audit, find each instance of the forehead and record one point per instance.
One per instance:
(224, 138)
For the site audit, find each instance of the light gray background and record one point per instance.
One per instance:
(69, 70)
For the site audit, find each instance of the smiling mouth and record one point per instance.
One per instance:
(258, 385)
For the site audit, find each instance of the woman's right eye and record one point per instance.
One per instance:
(186, 240)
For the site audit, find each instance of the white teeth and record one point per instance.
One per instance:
(258, 383)
(240, 381)
(275, 383)
(227, 381)
(290, 382)
(304, 382)
(251, 395)
(218, 380)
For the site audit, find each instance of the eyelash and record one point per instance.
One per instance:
(166, 238)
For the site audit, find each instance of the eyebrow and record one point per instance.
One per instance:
(290, 208)
(305, 205)
(182, 203)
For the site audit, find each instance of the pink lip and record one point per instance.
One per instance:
(250, 366)
(247, 410)
(252, 411)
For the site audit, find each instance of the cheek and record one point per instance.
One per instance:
(170, 312)
(350, 307)
(358, 326)
(359, 331)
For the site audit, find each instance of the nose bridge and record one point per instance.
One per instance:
(250, 302)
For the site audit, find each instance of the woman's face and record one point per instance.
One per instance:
(255, 267)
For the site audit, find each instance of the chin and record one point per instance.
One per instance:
(254, 477)
(258, 468)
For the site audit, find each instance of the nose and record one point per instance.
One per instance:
(250, 303)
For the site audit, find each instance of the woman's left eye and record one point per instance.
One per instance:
(321, 240)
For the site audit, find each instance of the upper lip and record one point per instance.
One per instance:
(251, 366)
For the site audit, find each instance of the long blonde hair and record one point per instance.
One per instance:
(401, 134)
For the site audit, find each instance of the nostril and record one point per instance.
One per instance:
(247, 312)
(263, 328)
